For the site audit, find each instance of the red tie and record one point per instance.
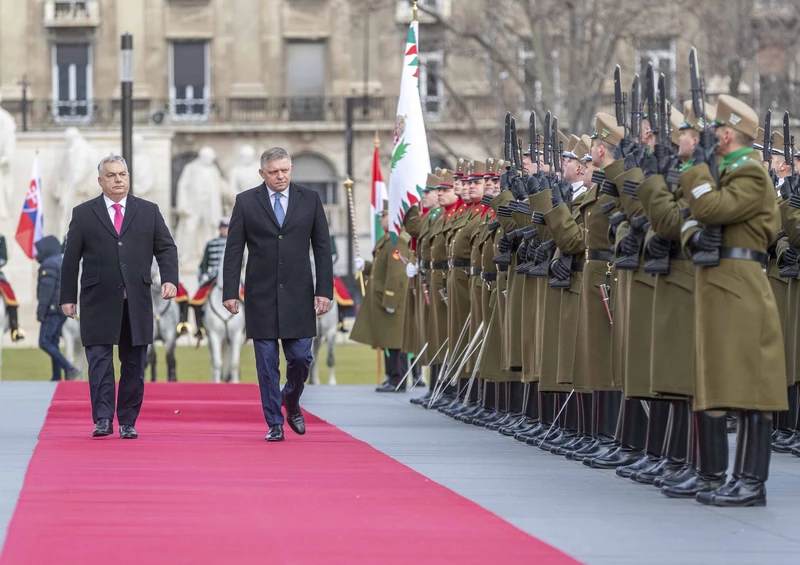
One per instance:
(117, 217)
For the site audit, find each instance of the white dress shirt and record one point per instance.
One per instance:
(578, 188)
(111, 211)
(284, 200)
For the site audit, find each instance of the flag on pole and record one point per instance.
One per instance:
(29, 229)
(378, 195)
(410, 161)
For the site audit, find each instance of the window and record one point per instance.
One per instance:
(189, 72)
(72, 82)
(306, 68)
(431, 84)
(430, 5)
(70, 8)
(661, 52)
(318, 175)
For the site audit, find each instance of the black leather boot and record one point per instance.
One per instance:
(712, 458)
(689, 469)
(530, 412)
(606, 406)
(786, 436)
(511, 411)
(200, 330)
(433, 377)
(569, 425)
(654, 443)
(493, 405)
(546, 416)
(487, 405)
(751, 467)
(675, 444)
(633, 435)
(183, 319)
(583, 403)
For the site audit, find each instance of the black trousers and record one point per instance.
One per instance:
(396, 365)
(131, 377)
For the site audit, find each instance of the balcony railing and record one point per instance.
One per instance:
(45, 114)
(71, 13)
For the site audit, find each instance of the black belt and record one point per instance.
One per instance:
(439, 266)
(458, 263)
(475, 271)
(745, 254)
(489, 277)
(425, 264)
(578, 267)
(502, 268)
(595, 255)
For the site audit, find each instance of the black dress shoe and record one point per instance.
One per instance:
(424, 399)
(693, 486)
(645, 463)
(295, 418)
(103, 428)
(275, 433)
(619, 457)
(127, 432)
(390, 387)
(676, 477)
(738, 492)
(665, 467)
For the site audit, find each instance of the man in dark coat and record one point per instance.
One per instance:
(48, 313)
(278, 221)
(116, 235)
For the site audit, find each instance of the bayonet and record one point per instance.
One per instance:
(636, 110)
(619, 99)
(553, 141)
(650, 97)
(507, 139)
(547, 141)
(698, 94)
(787, 142)
(532, 134)
(663, 123)
(766, 152)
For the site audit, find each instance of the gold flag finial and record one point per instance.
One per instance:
(415, 11)
(377, 140)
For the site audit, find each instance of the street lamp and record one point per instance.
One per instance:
(126, 82)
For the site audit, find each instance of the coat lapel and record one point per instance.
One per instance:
(132, 205)
(102, 214)
(263, 197)
(295, 195)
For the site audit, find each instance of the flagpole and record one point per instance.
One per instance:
(415, 12)
(348, 184)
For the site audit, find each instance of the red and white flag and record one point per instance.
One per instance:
(29, 229)
(379, 195)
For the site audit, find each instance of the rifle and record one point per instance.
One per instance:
(789, 271)
(557, 150)
(672, 177)
(703, 258)
(507, 141)
(547, 141)
(620, 100)
(532, 135)
(650, 97)
(766, 151)
(636, 110)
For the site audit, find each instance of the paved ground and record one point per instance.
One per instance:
(592, 515)
(23, 406)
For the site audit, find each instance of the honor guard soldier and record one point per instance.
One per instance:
(379, 322)
(207, 274)
(740, 361)
(9, 297)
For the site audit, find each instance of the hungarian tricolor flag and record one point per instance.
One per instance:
(378, 196)
(29, 229)
(410, 161)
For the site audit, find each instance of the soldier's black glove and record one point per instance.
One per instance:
(624, 148)
(667, 159)
(558, 269)
(557, 195)
(657, 247)
(504, 182)
(773, 175)
(504, 211)
(544, 182)
(522, 251)
(706, 240)
(706, 149)
(786, 188)
(503, 244)
(790, 257)
(629, 245)
(518, 188)
(487, 200)
(541, 254)
(532, 185)
(794, 200)
(650, 165)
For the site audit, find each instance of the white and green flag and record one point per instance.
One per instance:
(410, 161)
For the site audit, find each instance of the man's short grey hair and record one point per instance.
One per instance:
(110, 159)
(274, 154)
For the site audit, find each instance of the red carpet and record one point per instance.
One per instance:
(202, 487)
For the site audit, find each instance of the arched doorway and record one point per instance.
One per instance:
(317, 174)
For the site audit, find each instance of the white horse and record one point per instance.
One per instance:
(225, 334)
(327, 330)
(73, 346)
(166, 314)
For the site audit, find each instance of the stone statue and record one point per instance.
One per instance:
(198, 205)
(77, 177)
(8, 142)
(243, 175)
(145, 178)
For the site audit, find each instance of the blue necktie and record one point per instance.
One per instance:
(280, 214)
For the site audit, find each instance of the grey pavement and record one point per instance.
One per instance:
(594, 516)
(23, 406)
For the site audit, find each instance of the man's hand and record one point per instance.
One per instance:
(69, 310)
(705, 240)
(231, 305)
(390, 310)
(411, 270)
(629, 245)
(658, 248)
(168, 291)
(359, 263)
(322, 305)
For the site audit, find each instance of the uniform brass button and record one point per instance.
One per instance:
(120, 244)
(279, 237)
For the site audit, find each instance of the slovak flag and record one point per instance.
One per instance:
(29, 229)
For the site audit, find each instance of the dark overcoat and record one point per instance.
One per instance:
(114, 264)
(279, 287)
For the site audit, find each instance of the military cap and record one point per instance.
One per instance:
(759, 137)
(563, 140)
(581, 149)
(461, 166)
(447, 180)
(477, 170)
(737, 115)
(224, 221)
(776, 143)
(606, 128)
(494, 167)
(432, 183)
(675, 120)
(692, 121)
(569, 152)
